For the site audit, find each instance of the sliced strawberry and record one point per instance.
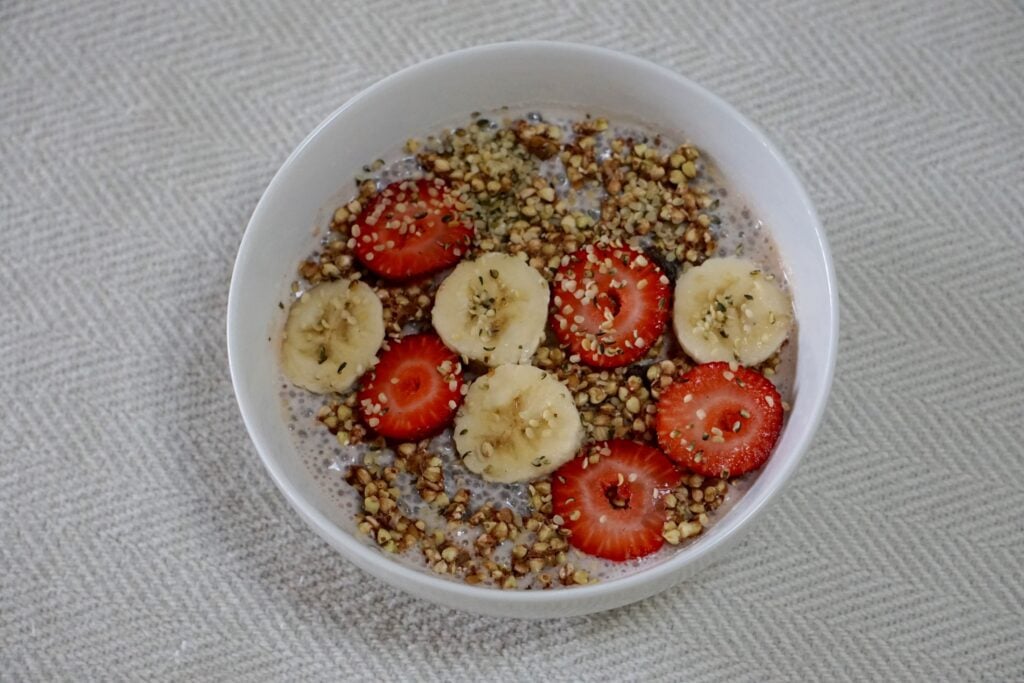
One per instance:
(414, 389)
(719, 422)
(613, 506)
(411, 228)
(610, 304)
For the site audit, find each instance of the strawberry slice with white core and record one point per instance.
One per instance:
(610, 498)
(411, 228)
(719, 421)
(414, 390)
(610, 304)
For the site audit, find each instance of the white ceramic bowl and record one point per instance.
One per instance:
(417, 101)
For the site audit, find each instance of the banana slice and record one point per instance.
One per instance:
(332, 336)
(517, 423)
(727, 309)
(493, 309)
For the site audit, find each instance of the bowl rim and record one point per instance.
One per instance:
(398, 573)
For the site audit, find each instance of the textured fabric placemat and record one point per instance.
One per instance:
(139, 534)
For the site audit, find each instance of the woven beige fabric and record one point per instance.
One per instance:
(139, 534)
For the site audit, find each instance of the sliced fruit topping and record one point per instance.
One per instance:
(410, 228)
(719, 422)
(414, 390)
(610, 498)
(332, 336)
(610, 304)
(518, 423)
(730, 309)
(493, 309)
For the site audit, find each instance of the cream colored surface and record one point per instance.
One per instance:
(332, 336)
(140, 536)
(493, 309)
(726, 309)
(518, 423)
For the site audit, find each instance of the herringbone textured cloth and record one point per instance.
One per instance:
(139, 534)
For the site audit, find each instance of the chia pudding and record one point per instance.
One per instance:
(545, 187)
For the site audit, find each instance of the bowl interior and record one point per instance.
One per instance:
(296, 207)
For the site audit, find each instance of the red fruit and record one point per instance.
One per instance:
(414, 389)
(411, 228)
(714, 420)
(610, 304)
(613, 506)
